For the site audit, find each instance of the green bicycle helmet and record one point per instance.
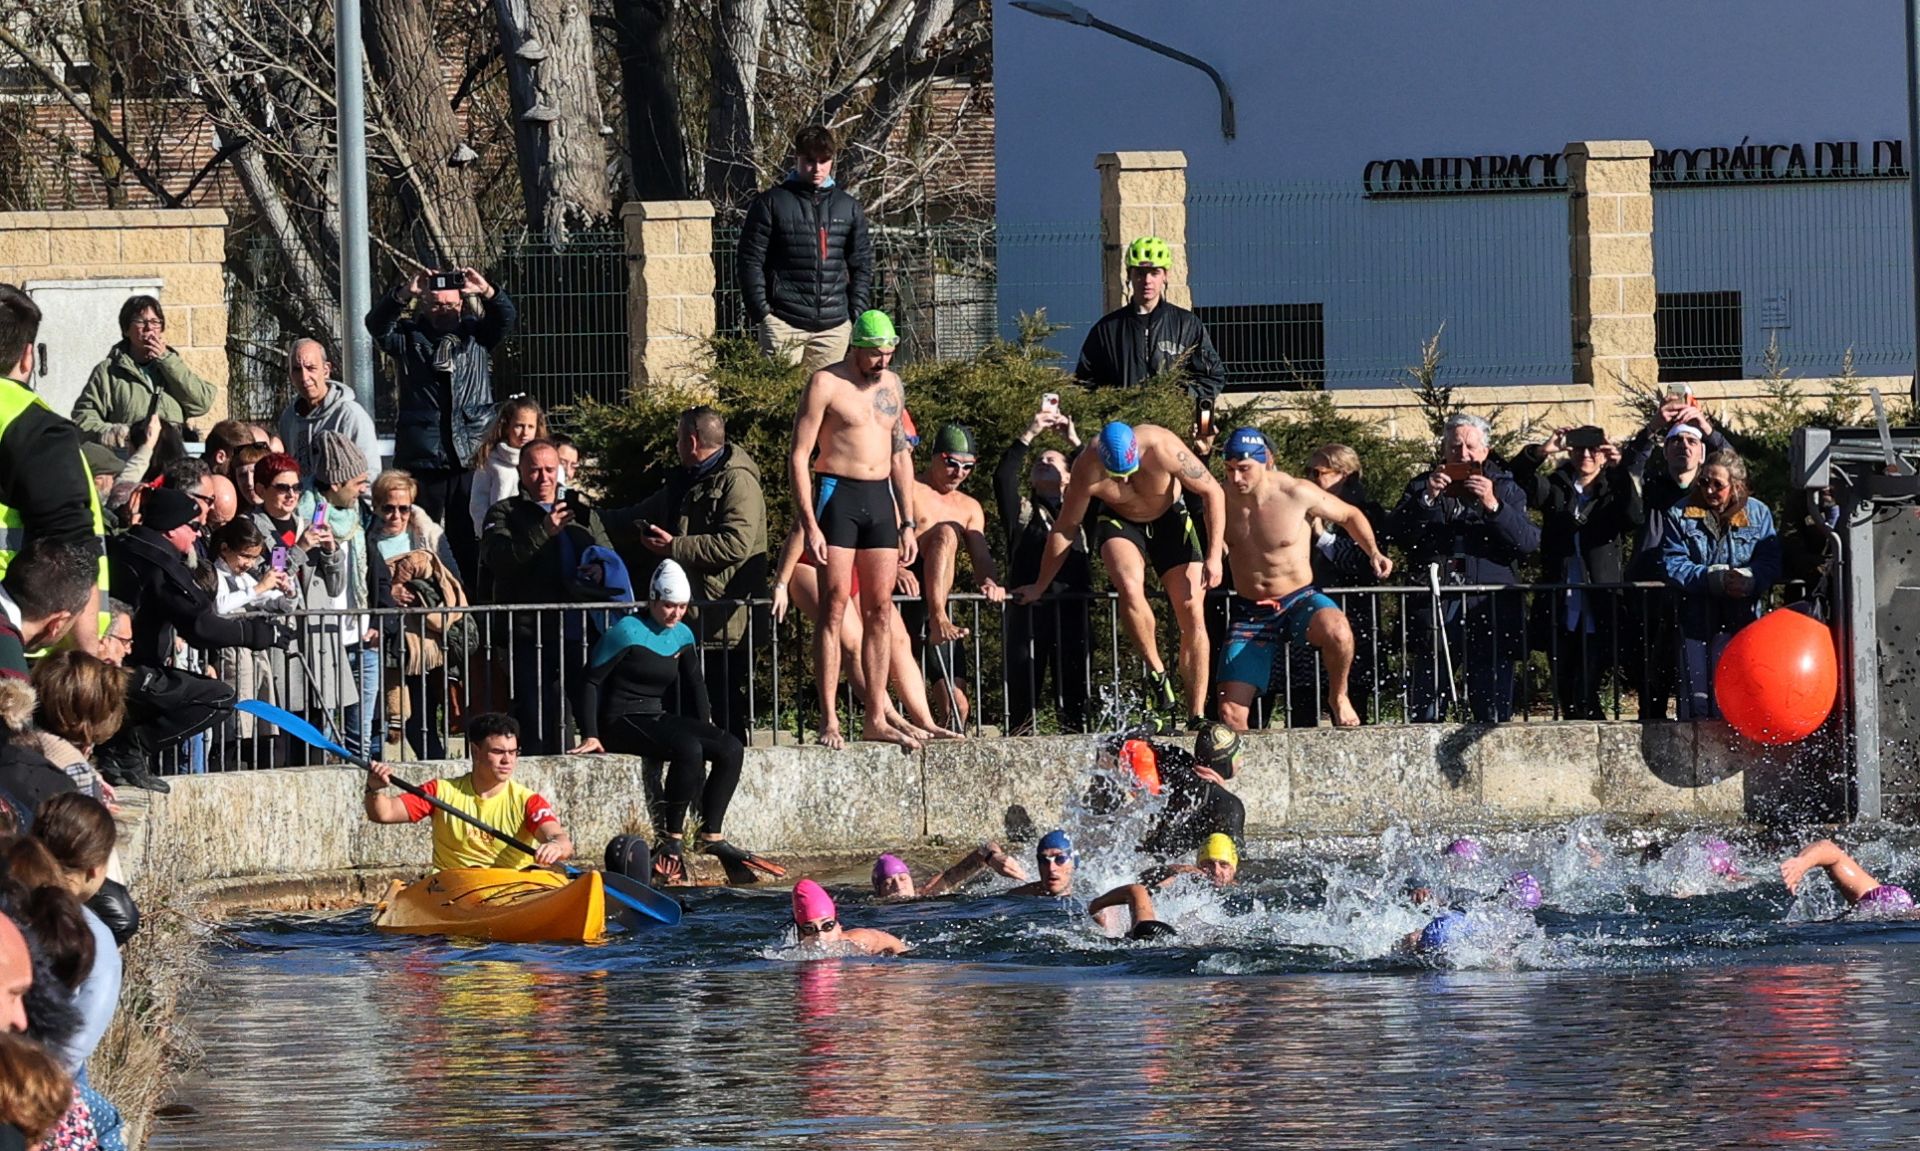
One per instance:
(874, 330)
(1149, 252)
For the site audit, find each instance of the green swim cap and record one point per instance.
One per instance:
(1149, 252)
(873, 330)
(955, 440)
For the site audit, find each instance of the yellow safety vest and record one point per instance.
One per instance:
(15, 399)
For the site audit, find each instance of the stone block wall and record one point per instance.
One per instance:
(1610, 237)
(872, 798)
(184, 248)
(670, 304)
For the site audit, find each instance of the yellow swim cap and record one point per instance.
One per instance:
(1219, 845)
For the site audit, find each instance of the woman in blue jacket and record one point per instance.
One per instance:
(1720, 549)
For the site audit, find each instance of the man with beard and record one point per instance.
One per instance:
(444, 356)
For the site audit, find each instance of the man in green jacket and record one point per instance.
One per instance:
(141, 376)
(711, 518)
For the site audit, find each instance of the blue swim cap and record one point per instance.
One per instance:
(1055, 840)
(1119, 450)
(1447, 929)
(1248, 444)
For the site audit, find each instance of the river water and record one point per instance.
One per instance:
(1647, 1004)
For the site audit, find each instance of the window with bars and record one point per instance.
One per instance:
(1697, 336)
(1269, 347)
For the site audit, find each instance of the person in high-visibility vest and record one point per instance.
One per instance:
(46, 487)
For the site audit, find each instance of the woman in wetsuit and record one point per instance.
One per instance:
(624, 698)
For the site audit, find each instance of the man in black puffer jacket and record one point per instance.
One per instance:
(806, 260)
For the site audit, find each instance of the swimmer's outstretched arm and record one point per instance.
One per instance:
(1133, 896)
(1853, 880)
(874, 942)
(986, 855)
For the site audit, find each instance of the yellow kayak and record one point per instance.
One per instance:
(498, 904)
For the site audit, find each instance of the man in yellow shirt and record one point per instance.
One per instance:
(489, 794)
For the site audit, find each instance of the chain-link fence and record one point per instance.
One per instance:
(1311, 286)
(1808, 268)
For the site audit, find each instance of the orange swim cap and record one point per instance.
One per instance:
(1138, 757)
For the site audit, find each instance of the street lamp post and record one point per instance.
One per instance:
(1913, 177)
(356, 291)
(1074, 14)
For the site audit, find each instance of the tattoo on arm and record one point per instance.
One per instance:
(899, 437)
(1189, 467)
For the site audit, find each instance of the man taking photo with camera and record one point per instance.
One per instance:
(444, 351)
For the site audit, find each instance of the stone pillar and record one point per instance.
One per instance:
(670, 283)
(1610, 232)
(1142, 194)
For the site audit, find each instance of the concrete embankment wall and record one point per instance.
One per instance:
(300, 822)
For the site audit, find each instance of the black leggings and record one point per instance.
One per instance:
(688, 745)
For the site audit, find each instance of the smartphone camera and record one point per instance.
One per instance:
(1050, 404)
(1203, 416)
(448, 281)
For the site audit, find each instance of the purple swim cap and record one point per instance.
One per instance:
(1523, 891)
(1720, 857)
(889, 865)
(1886, 899)
(1465, 848)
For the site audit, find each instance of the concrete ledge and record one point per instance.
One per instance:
(808, 800)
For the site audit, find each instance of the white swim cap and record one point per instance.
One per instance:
(670, 583)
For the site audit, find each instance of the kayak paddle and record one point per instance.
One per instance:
(631, 892)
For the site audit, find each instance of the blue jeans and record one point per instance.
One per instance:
(361, 720)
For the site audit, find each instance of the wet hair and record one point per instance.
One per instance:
(271, 465)
(35, 1091)
(77, 829)
(81, 698)
(497, 430)
(237, 535)
(130, 311)
(393, 480)
(488, 724)
(1737, 481)
(708, 426)
(49, 576)
(813, 142)
(19, 324)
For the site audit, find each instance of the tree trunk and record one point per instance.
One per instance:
(93, 28)
(735, 67)
(905, 78)
(548, 48)
(656, 147)
(403, 62)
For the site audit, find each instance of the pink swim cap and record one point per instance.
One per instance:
(888, 865)
(811, 902)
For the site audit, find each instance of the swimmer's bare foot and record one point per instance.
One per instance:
(942, 630)
(880, 731)
(830, 737)
(1341, 709)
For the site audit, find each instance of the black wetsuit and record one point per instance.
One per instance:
(623, 703)
(1194, 808)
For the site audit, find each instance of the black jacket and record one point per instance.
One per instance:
(147, 573)
(1612, 510)
(44, 477)
(444, 410)
(1027, 536)
(805, 256)
(1125, 350)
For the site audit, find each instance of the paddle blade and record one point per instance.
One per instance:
(655, 905)
(293, 725)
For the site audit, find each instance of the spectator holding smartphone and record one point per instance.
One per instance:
(304, 547)
(1464, 522)
(443, 353)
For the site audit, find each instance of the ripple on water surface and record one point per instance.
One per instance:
(1641, 1007)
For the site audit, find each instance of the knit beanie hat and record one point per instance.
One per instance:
(164, 509)
(336, 459)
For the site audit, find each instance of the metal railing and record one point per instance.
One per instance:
(1477, 653)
